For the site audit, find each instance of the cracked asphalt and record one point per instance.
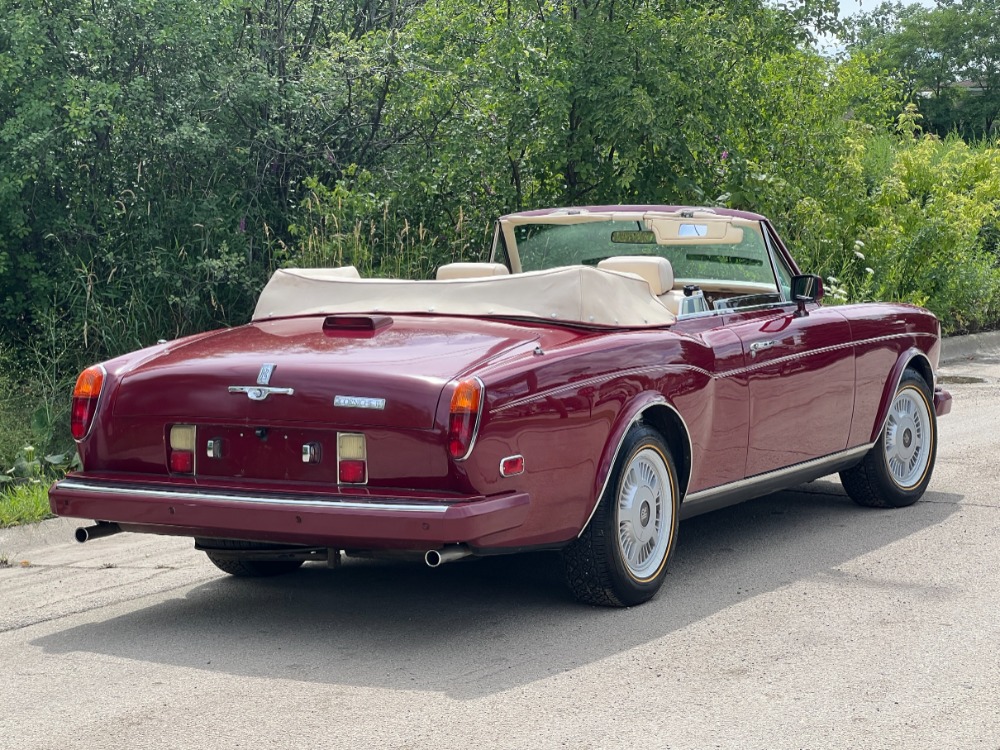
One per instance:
(798, 620)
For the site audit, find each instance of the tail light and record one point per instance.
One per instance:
(180, 457)
(86, 394)
(352, 458)
(463, 417)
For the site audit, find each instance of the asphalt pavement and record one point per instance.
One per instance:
(798, 620)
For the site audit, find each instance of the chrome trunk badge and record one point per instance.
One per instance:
(264, 376)
(359, 402)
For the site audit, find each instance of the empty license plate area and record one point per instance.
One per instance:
(266, 453)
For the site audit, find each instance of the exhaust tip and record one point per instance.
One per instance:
(432, 557)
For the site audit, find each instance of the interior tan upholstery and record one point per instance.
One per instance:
(655, 271)
(673, 301)
(470, 270)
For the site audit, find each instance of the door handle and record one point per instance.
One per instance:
(759, 346)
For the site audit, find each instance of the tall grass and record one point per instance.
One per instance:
(23, 504)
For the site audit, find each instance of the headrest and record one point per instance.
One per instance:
(655, 271)
(470, 270)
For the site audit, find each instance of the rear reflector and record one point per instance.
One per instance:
(86, 394)
(512, 466)
(352, 458)
(463, 417)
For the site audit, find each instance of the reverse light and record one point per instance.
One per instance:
(86, 395)
(352, 458)
(181, 454)
(463, 417)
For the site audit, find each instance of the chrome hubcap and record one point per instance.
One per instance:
(645, 513)
(907, 438)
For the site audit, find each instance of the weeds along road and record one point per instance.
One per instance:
(798, 620)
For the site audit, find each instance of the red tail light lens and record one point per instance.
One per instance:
(463, 418)
(182, 462)
(352, 472)
(86, 394)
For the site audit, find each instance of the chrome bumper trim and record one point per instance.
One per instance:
(184, 494)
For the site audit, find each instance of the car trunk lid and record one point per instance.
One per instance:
(312, 370)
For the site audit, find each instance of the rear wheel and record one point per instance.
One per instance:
(896, 471)
(621, 557)
(225, 556)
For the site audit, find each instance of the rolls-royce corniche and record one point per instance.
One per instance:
(610, 371)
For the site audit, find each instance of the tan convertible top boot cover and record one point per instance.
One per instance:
(574, 294)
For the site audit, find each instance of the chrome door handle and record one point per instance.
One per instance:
(759, 346)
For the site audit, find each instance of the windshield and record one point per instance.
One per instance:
(697, 251)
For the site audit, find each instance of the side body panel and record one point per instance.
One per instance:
(884, 334)
(800, 375)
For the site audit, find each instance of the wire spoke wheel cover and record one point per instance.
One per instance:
(645, 514)
(907, 434)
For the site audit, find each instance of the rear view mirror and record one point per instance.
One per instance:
(806, 288)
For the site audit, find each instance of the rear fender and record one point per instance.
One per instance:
(911, 358)
(652, 409)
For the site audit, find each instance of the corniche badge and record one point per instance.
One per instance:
(359, 402)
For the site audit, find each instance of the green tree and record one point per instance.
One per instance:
(947, 56)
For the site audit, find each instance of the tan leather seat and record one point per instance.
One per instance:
(470, 270)
(658, 274)
(655, 271)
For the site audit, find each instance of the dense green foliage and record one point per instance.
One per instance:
(159, 160)
(947, 57)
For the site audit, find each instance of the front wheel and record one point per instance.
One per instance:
(896, 471)
(620, 559)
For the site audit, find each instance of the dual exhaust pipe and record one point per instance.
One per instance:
(433, 557)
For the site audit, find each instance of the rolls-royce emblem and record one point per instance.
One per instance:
(359, 402)
(264, 376)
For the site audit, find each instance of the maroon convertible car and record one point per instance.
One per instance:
(612, 370)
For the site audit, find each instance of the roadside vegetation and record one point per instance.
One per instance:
(159, 160)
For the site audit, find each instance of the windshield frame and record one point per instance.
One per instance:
(505, 246)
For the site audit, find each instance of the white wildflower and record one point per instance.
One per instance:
(859, 255)
(833, 279)
(858, 243)
(869, 271)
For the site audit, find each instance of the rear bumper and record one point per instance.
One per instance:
(346, 522)
(942, 401)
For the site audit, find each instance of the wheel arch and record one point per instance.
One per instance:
(654, 410)
(914, 359)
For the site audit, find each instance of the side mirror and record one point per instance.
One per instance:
(806, 288)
